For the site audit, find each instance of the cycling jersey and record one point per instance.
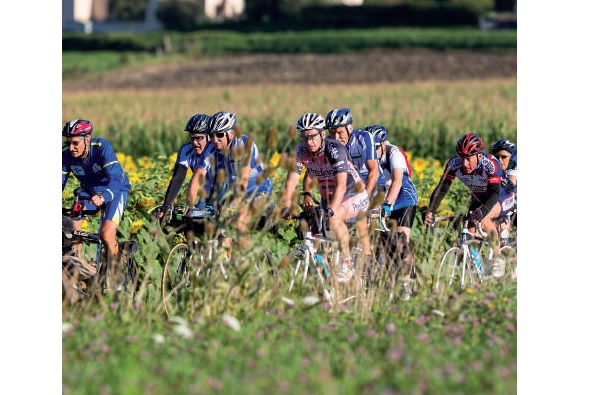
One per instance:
(98, 172)
(331, 159)
(188, 159)
(232, 163)
(484, 183)
(361, 148)
(395, 158)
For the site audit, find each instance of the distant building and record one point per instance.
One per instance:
(93, 15)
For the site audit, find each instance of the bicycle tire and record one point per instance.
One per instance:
(297, 276)
(176, 280)
(509, 254)
(449, 277)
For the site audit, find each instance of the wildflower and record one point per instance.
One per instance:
(231, 322)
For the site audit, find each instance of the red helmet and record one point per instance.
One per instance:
(77, 128)
(469, 144)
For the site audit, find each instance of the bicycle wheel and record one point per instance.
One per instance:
(509, 254)
(176, 282)
(296, 275)
(449, 276)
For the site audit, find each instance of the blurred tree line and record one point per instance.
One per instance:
(187, 15)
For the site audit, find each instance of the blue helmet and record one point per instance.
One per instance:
(338, 117)
(198, 123)
(378, 132)
(503, 144)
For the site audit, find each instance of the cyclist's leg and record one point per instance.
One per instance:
(356, 207)
(340, 230)
(113, 213)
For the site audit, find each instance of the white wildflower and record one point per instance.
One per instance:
(231, 322)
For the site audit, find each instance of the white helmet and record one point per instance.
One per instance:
(310, 120)
(222, 121)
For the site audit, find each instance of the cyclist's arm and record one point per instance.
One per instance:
(197, 180)
(178, 176)
(240, 186)
(392, 195)
(493, 194)
(289, 187)
(113, 170)
(373, 167)
(438, 194)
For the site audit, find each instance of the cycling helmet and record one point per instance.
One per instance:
(222, 121)
(198, 123)
(378, 132)
(77, 128)
(469, 144)
(338, 117)
(310, 120)
(503, 144)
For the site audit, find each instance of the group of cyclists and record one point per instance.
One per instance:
(354, 170)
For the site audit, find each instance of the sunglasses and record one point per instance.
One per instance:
(197, 138)
(502, 156)
(310, 137)
(218, 135)
(377, 145)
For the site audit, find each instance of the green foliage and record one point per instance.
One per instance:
(180, 15)
(218, 42)
(128, 10)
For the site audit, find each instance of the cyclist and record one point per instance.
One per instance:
(481, 173)
(192, 155)
(505, 152)
(341, 188)
(359, 144)
(401, 198)
(93, 162)
(240, 167)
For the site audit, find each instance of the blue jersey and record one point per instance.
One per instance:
(233, 162)
(361, 148)
(98, 172)
(189, 158)
(395, 158)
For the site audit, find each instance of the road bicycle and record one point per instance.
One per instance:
(81, 277)
(308, 268)
(464, 265)
(195, 266)
(394, 258)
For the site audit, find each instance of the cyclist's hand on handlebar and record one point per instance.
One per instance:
(285, 213)
(477, 215)
(387, 209)
(97, 200)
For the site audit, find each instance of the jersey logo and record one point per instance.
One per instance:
(96, 168)
(77, 170)
(333, 152)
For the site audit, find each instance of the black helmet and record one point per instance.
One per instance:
(503, 144)
(198, 123)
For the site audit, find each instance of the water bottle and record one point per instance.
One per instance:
(320, 261)
(477, 260)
